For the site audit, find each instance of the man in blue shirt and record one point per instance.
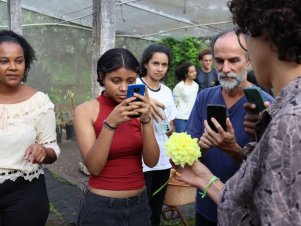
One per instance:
(206, 75)
(232, 64)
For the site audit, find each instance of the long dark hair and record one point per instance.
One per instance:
(182, 70)
(148, 54)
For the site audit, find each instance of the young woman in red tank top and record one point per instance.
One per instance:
(112, 143)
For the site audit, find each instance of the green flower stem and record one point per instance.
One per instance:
(156, 192)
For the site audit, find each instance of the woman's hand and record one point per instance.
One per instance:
(145, 106)
(123, 111)
(155, 110)
(35, 153)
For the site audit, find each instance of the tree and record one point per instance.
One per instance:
(185, 50)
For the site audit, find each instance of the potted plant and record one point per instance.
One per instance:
(68, 115)
(55, 95)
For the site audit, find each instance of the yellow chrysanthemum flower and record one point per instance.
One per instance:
(182, 149)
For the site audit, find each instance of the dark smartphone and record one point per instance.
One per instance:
(254, 95)
(135, 88)
(219, 112)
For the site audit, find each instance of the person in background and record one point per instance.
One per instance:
(154, 63)
(266, 188)
(112, 142)
(27, 137)
(184, 94)
(206, 75)
(232, 64)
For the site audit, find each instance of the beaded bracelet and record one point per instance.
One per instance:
(212, 180)
(145, 122)
(108, 126)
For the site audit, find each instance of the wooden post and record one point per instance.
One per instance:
(14, 15)
(103, 36)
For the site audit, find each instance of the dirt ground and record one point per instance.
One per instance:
(65, 183)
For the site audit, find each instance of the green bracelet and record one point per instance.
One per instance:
(212, 180)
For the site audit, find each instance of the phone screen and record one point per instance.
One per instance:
(219, 112)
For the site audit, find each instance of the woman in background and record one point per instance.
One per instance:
(154, 66)
(111, 143)
(27, 137)
(184, 93)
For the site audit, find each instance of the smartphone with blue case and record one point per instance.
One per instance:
(135, 88)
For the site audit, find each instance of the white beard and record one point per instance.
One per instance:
(235, 81)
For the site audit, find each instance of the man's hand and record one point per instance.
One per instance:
(225, 140)
(194, 174)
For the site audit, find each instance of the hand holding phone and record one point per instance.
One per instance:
(219, 112)
(162, 125)
(254, 96)
(135, 88)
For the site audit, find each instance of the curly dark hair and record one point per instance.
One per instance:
(182, 70)
(29, 53)
(277, 20)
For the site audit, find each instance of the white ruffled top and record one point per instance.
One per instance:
(22, 124)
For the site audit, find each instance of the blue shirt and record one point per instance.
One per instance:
(220, 164)
(206, 79)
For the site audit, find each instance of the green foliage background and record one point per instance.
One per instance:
(183, 50)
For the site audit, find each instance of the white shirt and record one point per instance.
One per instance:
(22, 124)
(185, 96)
(163, 95)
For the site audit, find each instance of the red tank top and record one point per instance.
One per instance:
(123, 169)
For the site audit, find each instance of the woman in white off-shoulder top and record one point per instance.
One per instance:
(27, 137)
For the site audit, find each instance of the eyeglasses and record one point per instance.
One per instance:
(240, 35)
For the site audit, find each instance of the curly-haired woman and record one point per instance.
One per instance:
(266, 188)
(184, 94)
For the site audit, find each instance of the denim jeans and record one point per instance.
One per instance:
(180, 125)
(97, 210)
